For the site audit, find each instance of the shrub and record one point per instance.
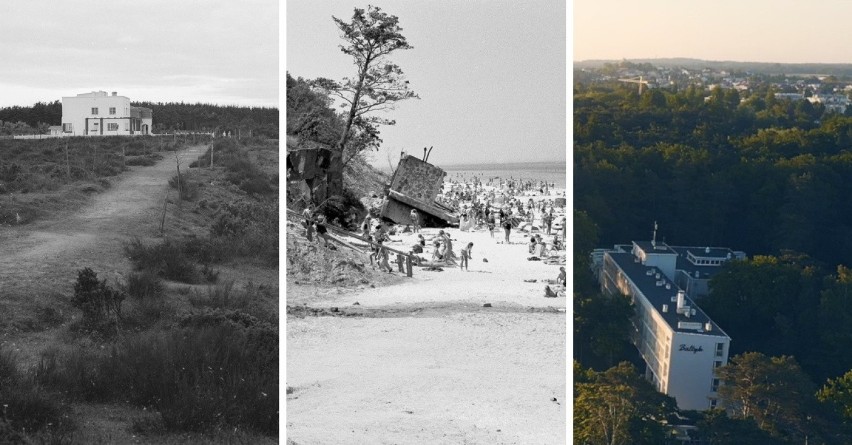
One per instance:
(144, 285)
(166, 259)
(101, 305)
(200, 377)
(24, 407)
(188, 189)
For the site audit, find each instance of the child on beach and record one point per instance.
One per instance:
(507, 226)
(465, 255)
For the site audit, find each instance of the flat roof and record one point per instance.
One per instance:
(651, 248)
(659, 295)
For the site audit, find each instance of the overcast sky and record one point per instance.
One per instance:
(223, 52)
(490, 74)
(790, 31)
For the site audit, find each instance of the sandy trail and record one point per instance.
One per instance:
(44, 256)
(454, 373)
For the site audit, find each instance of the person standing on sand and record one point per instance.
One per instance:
(415, 221)
(507, 226)
(308, 214)
(465, 255)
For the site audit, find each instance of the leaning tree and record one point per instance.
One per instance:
(378, 85)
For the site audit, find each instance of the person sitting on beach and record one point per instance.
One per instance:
(558, 289)
(557, 245)
(532, 244)
(436, 254)
(465, 255)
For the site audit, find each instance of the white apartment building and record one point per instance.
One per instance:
(100, 114)
(680, 344)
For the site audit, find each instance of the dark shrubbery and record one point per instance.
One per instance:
(145, 285)
(166, 259)
(101, 304)
(24, 407)
(216, 370)
(188, 189)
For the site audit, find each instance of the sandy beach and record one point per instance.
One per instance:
(427, 362)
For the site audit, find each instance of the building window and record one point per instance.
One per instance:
(712, 403)
(714, 386)
(717, 364)
(111, 110)
(94, 111)
(68, 128)
(126, 126)
(112, 127)
(720, 349)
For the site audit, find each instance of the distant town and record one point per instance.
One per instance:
(793, 82)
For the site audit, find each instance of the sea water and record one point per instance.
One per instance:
(551, 172)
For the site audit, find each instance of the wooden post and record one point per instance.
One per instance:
(67, 164)
(163, 220)
(179, 187)
(409, 272)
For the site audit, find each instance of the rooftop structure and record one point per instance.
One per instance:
(679, 343)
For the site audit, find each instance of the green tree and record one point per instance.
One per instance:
(718, 429)
(618, 406)
(838, 393)
(601, 327)
(774, 391)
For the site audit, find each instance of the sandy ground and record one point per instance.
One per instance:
(431, 364)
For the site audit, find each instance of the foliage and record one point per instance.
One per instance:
(617, 406)
(166, 259)
(101, 304)
(718, 429)
(838, 392)
(24, 406)
(601, 326)
(144, 285)
(200, 377)
(370, 37)
(776, 393)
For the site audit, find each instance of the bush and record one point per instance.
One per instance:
(101, 305)
(24, 407)
(200, 377)
(188, 189)
(166, 259)
(144, 285)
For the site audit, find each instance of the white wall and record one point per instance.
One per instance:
(691, 372)
(76, 109)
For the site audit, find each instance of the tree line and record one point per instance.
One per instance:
(168, 117)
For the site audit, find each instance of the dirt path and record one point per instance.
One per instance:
(44, 256)
(425, 362)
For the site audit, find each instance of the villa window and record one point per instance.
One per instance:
(67, 128)
(713, 403)
(111, 110)
(112, 127)
(714, 386)
(94, 110)
(720, 349)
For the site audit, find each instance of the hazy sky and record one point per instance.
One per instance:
(490, 74)
(223, 52)
(781, 31)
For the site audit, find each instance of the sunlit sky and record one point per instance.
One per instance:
(212, 51)
(783, 31)
(490, 74)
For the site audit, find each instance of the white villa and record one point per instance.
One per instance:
(100, 114)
